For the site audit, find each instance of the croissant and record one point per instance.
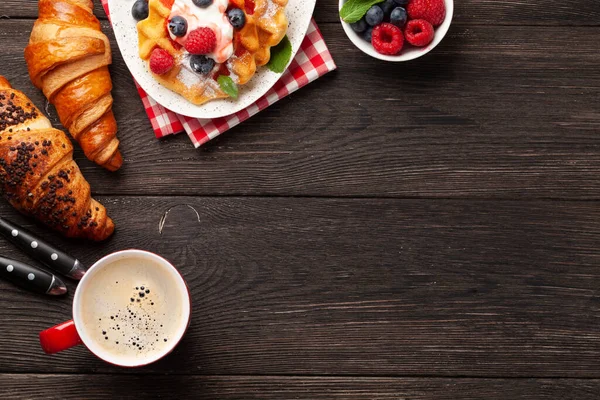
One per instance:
(68, 58)
(38, 175)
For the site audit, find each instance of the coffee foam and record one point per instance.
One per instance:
(132, 311)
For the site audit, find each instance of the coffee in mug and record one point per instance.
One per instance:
(131, 308)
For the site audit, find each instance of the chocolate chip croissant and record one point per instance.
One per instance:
(38, 175)
(68, 58)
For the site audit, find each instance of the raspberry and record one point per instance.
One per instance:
(161, 61)
(419, 32)
(387, 39)
(201, 41)
(432, 11)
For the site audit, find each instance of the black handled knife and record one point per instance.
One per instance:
(42, 251)
(31, 278)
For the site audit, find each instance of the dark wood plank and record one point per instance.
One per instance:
(32, 387)
(353, 287)
(480, 117)
(508, 12)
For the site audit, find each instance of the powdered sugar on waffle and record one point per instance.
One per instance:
(271, 10)
(214, 17)
(190, 78)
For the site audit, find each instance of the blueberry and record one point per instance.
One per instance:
(401, 2)
(368, 34)
(237, 18)
(178, 26)
(202, 64)
(387, 6)
(398, 17)
(359, 26)
(202, 3)
(140, 10)
(374, 16)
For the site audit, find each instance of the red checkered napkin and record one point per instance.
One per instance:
(312, 61)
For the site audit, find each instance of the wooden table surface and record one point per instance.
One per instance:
(426, 230)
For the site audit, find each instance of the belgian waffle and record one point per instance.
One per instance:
(266, 25)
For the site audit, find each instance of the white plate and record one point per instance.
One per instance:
(299, 13)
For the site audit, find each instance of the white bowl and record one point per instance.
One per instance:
(408, 52)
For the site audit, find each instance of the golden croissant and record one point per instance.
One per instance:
(68, 58)
(38, 175)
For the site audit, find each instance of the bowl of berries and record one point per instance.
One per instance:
(396, 30)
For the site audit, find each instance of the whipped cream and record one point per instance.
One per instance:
(213, 17)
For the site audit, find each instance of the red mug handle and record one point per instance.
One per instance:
(60, 337)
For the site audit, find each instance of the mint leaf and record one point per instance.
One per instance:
(354, 10)
(280, 55)
(228, 86)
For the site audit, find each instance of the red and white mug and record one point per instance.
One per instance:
(100, 311)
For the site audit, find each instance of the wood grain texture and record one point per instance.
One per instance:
(64, 387)
(507, 12)
(494, 112)
(352, 287)
(486, 289)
